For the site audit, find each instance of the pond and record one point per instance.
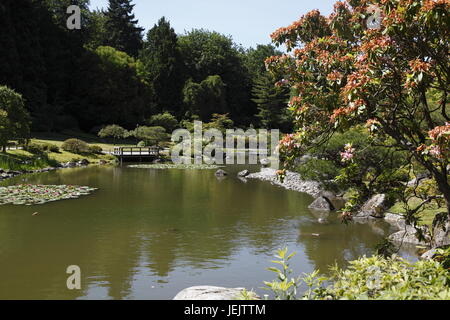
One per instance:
(147, 234)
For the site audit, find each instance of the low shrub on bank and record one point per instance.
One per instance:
(374, 278)
(75, 146)
(41, 147)
(95, 150)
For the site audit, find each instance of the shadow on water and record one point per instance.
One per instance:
(147, 234)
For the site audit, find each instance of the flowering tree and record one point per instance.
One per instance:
(386, 76)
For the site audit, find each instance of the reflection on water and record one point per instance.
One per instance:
(147, 234)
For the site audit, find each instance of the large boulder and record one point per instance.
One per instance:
(243, 173)
(265, 162)
(83, 162)
(221, 173)
(408, 234)
(322, 203)
(441, 231)
(418, 179)
(208, 293)
(374, 207)
(396, 220)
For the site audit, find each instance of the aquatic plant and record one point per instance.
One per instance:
(39, 194)
(176, 166)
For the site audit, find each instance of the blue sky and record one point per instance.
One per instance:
(249, 22)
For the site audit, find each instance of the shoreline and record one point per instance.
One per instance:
(292, 181)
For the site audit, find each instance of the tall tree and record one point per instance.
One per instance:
(254, 59)
(124, 33)
(14, 119)
(350, 74)
(207, 53)
(205, 98)
(162, 66)
(272, 103)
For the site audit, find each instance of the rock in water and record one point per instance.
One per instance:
(83, 162)
(408, 234)
(243, 173)
(221, 173)
(265, 162)
(208, 293)
(375, 207)
(395, 220)
(322, 203)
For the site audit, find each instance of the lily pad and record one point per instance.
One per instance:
(176, 166)
(28, 194)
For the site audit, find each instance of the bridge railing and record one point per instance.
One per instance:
(135, 151)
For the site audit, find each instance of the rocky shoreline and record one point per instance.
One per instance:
(8, 174)
(292, 181)
(375, 209)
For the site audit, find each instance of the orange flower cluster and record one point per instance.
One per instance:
(295, 101)
(440, 133)
(378, 42)
(355, 80)
(295, 26)
(288, 142)
(334, 76)
(418, 65)
(343, 111)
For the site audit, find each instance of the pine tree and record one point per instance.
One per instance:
(163, 66)
(124, 33)
(271, 102)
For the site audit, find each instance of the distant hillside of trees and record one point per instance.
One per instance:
(109, 72)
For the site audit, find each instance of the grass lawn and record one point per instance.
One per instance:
(59, 138)
(24, 160)
(426, 216)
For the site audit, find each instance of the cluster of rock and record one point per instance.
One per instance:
(81, 163)
(376, 209)
(292, 181)
(7, 174)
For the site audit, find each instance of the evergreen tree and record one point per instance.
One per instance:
(163, 67)
(271, 102)
(124, 33)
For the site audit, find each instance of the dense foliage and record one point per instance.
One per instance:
(14, 119)
(108, 73)
(385, 78)
(374, 278)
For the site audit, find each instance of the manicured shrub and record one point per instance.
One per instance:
(75, 146)
(165, 120)
(141, 144)
(95, 150)
(49, 147)
(34, 148)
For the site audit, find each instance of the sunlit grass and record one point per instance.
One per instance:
(426, 216)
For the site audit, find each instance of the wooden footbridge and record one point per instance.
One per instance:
(136, 154)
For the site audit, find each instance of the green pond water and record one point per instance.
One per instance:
(147, 234)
